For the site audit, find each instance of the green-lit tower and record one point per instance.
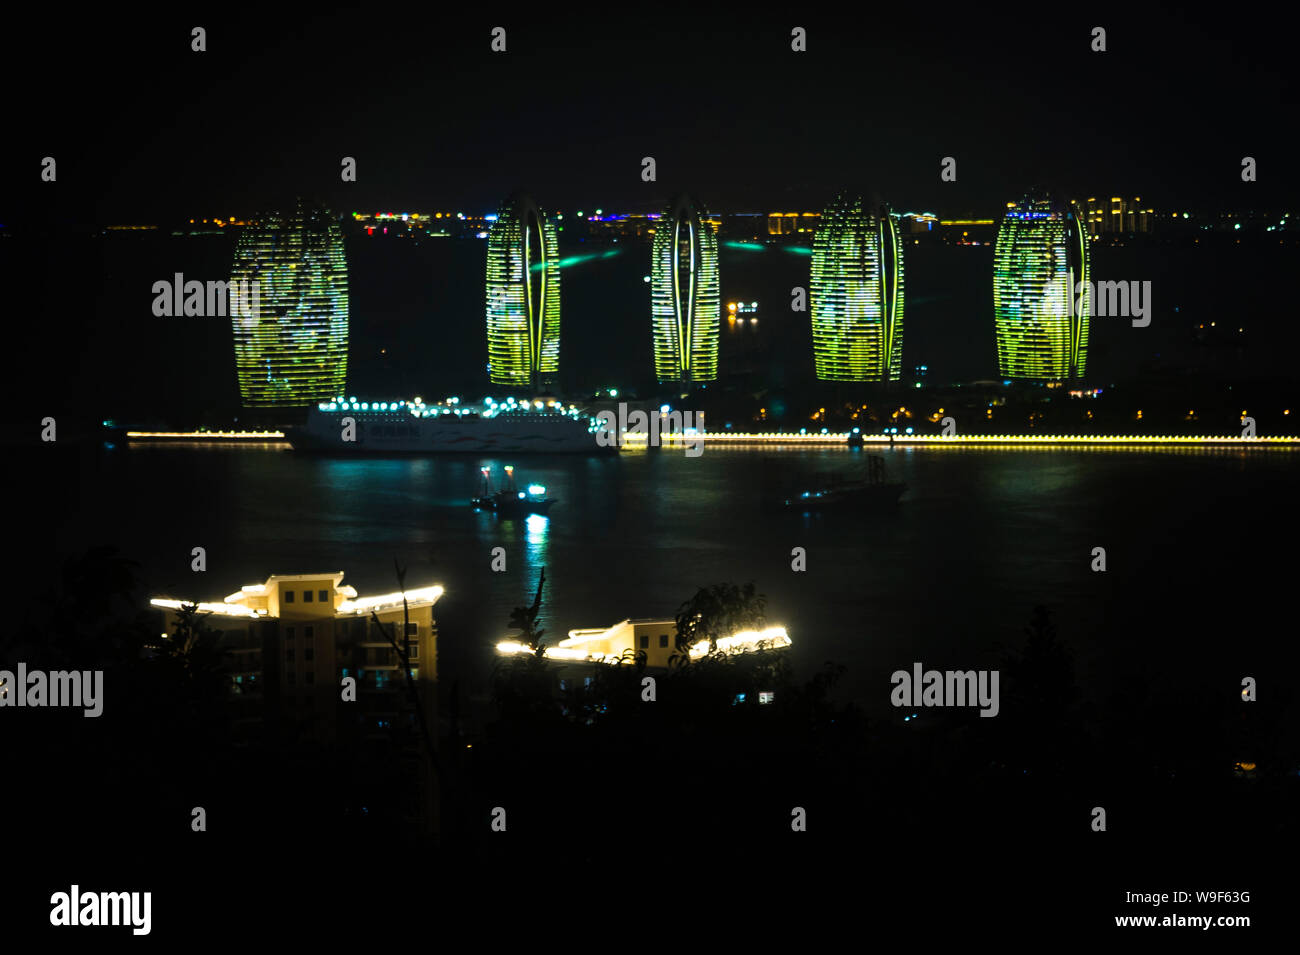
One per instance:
(857, 293)
(1040, 260)
(289, 298)
(523, 297)
(684, 294)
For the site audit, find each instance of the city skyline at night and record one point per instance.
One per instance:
(599, 248)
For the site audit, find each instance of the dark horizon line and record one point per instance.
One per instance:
(8, 221)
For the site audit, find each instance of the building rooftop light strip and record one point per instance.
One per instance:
(771, 638)
(362, 605)
(557, 653)
(223, 609)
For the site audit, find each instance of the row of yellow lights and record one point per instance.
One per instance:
(205, 434)
(640, 437)
(637, 437)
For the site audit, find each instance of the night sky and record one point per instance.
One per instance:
(146, 130)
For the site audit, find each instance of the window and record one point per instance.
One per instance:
(308, 632)
(412, 629)
(288, 654)
(288, 634)
(324, 596)
(306, 596)
(645, 641)
(415, 651)
(663, 639)
(309, 654)
(292, 675)
(288, 596)
(310, 677)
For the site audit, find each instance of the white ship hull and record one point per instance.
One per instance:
(399, 432)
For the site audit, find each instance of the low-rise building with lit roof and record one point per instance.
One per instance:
(291, 641)
(651, 636)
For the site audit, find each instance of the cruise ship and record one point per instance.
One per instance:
(512, 426)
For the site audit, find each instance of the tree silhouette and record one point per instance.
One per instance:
(1040, 696)
(524, 619)
(717, 611)
(193, 650)
(524, 686)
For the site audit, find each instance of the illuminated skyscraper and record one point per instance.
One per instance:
(523, 296)
(291, 333)
(1041, 257)
(684, 295)
(857, 293)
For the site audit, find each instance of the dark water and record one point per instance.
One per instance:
(1194, 584)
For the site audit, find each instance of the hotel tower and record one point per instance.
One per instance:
(857, 293)
(523, 297)
(684, 295)
(1041, 257)
(289, 296)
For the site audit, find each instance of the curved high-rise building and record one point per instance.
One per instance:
(289, 297)
(857, 293)
(523, 296)
(684, 294)
(1039, 261)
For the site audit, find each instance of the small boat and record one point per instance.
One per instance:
(872, 493)
(510, 501)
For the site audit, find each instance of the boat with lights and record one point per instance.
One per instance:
(873, 493)
(512, 426)
(510, 501)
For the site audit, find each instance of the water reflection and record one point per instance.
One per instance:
(537, 530)
(537, 524)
